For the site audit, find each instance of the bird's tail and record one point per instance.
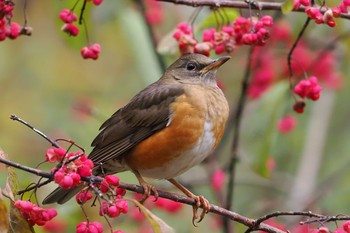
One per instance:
(61, 196)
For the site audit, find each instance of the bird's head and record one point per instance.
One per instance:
(195, 69)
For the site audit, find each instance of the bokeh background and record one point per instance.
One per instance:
(44, 80)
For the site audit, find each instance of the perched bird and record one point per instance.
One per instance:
(166, 129)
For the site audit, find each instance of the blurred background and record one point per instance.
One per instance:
(45, 81)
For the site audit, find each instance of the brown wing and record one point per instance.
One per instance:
(146, 113)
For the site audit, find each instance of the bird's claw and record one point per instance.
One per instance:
(200, 201)
(147, 189)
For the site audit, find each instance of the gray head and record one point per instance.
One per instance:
(194, 69)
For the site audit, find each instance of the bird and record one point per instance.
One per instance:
(167, 128)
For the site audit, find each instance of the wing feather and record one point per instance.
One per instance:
(148, 112)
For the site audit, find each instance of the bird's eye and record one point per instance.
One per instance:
(191, 66)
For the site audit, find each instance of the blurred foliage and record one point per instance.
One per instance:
(43, 78)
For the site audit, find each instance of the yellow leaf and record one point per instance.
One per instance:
(14, 222)
(158, 225)
(17, 222)
(4, 223)
(287, 6)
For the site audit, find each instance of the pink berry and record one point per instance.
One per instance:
(13, 30)
(218, 180)
(346, 226)
(121, 191)
(97, 2)
(70, 29)
(68, 16)
(305, 2)
(113, 211)
(83, 197)
(112, 180)
(267, 21)
(286, 124)
(122, 206)
(323, 229)
(91, 52)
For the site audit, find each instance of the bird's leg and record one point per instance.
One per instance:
(200, 200)
(147, 188)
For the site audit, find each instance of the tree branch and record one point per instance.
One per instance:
(250, 223)
(241, 4)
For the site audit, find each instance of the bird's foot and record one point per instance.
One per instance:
(147, 190)
(200, 201)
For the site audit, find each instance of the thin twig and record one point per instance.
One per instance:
(290, 53)
(34, 187)
(26, 168)
(16, 118)
(277, 6)
(82, 10)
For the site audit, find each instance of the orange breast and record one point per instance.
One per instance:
(183, 132)
(196, 127)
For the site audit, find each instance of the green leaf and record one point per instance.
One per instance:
(287, 6)
(217, 18)
(158, 225)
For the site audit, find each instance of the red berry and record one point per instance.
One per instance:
(70, 29)
(83, 197)
(346, 226)
(299, 106)
(68, 16)
(286, 124)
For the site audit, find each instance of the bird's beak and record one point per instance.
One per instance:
(215, 64)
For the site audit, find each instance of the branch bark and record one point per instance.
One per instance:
(276, 6)
(249, 222)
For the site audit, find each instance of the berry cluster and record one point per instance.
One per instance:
(91, 51)
(10, 29)
(35, 214)
(298, 3)
(74, 166)
(108, 183)
(83, 196)
(68, 17)
(116, 203)
(89, 227)
(308, 88)
(112, 206)
(327, 17)
(252, 31)
(54, 155)
(243, 31)
(184, 36)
